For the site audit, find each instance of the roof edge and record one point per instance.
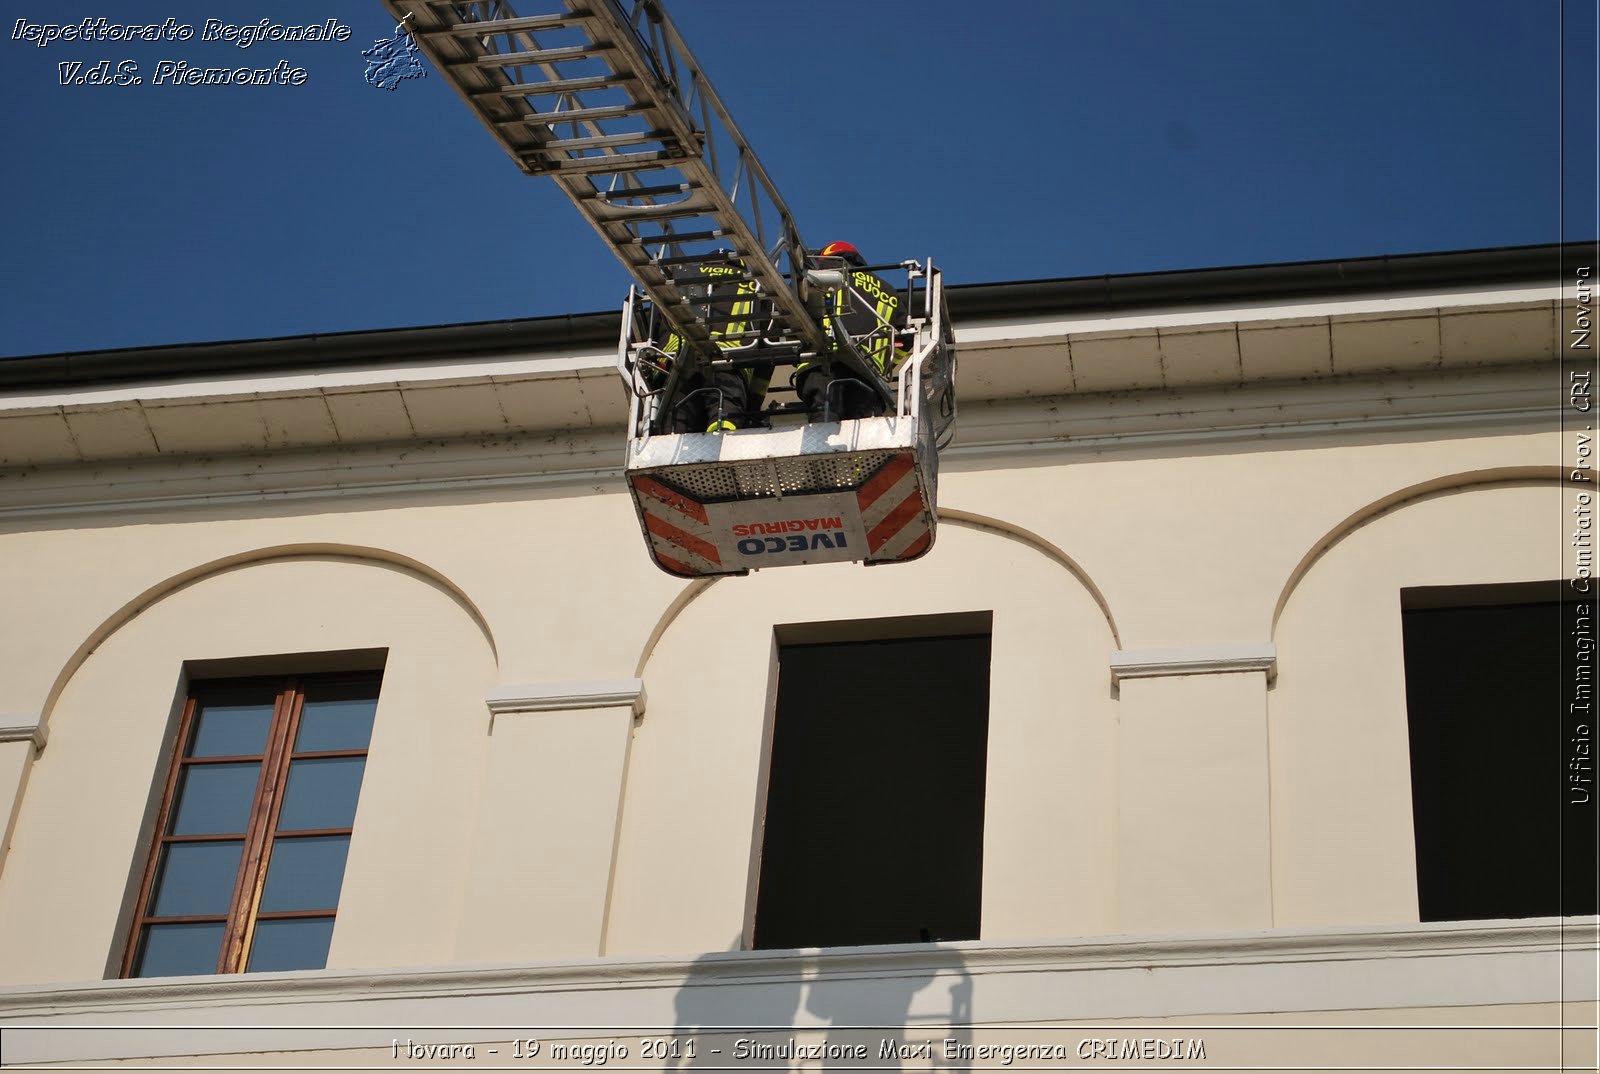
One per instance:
(1504, 265)
(967, 301)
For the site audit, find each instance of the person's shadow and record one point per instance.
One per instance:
(718, 1004)
(715, 996)
(881, 1008)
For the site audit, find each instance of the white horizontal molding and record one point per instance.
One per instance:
(565, 696)
(1508, 400)
(554, 364)
(1256, 977)
(1387, 304)
(993, 452)
(1505, 398)
(1217, 658)
(414, 468)
(18, 728)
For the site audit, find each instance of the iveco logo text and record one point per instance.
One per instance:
(803, 541)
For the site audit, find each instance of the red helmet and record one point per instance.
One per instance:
(844, 250)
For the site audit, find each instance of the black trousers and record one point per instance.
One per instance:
(847, 395)
(720, 394)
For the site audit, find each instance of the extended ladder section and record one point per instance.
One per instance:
(609, 103)
(794, 491)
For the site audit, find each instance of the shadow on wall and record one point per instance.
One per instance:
(803, 1013)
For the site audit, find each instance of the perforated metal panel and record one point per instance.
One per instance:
(761, 478)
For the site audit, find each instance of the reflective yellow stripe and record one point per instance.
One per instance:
(741, 310)
(884, 344)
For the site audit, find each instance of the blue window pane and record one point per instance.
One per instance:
(231, 731)
(214, 798)
(196, 878)
(290, 944)
(322, 793)
(305, 874)
(335, 724)
(179, 950)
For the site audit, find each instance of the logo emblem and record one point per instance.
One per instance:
(391, 60)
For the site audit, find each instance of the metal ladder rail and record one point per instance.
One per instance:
(926, 383)
(667, 168)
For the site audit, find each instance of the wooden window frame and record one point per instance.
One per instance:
(261, 828)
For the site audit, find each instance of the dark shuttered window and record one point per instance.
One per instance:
(1499, 697)
(874, 824)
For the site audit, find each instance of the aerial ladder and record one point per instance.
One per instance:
(604, 98)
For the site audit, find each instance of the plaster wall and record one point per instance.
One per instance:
(84, 825)
(1342, 844)
(653, 834)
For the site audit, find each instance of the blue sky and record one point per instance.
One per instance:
(1009, 139)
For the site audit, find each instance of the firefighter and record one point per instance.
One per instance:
(720, 400)
(873, 314)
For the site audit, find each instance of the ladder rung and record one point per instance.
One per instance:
(500, 26)
(610, 196)
(733, 336)
(543, 55)
(634, 214)
(672, 240)
(723, 304)
(559, 85)
(742, 361)
(619, 162)
(687, 258)
(606, 141)
(574, 115)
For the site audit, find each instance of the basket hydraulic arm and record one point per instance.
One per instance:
(605, 98)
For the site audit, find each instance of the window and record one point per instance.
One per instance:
(1498, 833)
(254, 826)
(874, 827)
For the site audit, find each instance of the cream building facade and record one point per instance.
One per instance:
(1185, 509)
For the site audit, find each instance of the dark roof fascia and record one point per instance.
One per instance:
(1402, 272)
(333, 350)
(1503, 265)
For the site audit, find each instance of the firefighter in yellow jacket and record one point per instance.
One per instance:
(873, 314)
(720, 400)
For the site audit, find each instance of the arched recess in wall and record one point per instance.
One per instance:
(177, 582)
(84, 824)
(1338, 736)
(693, 802)
(1402, 497)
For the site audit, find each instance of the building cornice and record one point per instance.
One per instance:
(336, 350)
(1104, 366)
(1497, 266)
(1500, 266)
(1490, 401)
